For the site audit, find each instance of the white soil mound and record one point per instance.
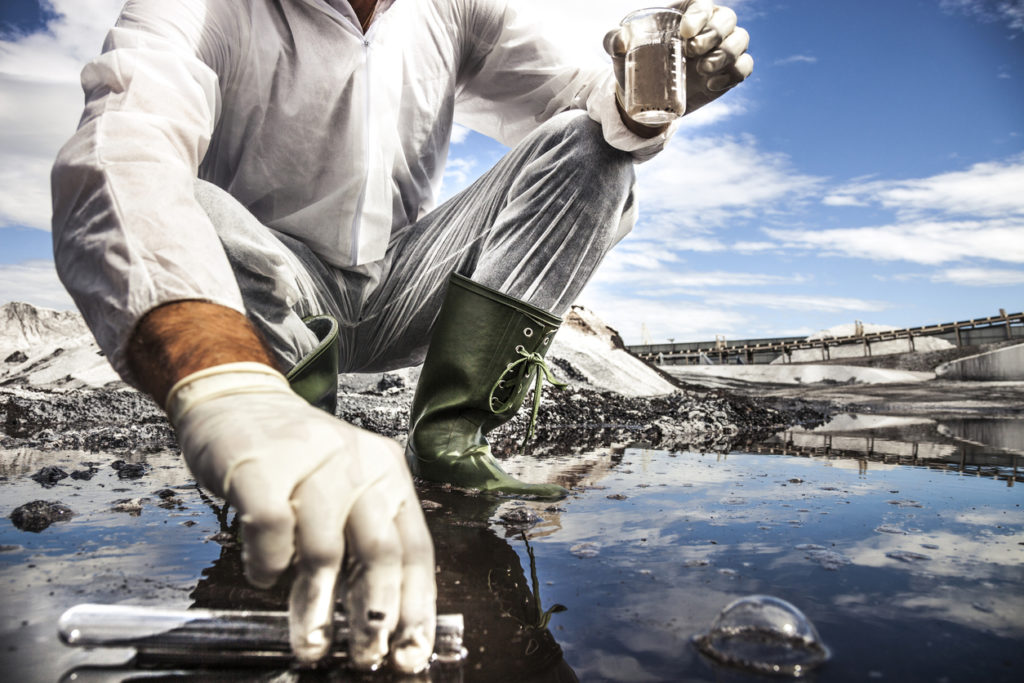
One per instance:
(597, 352)
(54, 349)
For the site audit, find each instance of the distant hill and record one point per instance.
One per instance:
(44, 347)
(49, 349)
(26, 328)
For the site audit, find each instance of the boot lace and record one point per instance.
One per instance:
(528, 362)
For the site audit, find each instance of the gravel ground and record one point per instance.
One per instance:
(573, 420)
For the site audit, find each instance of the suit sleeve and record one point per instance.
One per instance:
(128, 233)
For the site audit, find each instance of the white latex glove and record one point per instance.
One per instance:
(311, 487)
(715, 50)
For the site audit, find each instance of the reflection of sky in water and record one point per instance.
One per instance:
(639, 575)
(696, 531)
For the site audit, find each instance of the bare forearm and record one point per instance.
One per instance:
(177, 339)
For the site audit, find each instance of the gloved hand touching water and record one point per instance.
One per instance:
(714, 46)
(315, 489)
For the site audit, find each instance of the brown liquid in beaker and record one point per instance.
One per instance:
(655, 87)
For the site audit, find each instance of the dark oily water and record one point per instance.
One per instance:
(908, 572)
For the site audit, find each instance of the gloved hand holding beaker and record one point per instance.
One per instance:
(648, 50)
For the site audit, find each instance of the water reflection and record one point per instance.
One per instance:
(988, 447)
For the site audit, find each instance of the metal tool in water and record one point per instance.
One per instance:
(219, 637)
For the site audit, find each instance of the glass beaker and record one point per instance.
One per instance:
(655, 70)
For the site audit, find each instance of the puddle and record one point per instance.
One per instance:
(903, 546)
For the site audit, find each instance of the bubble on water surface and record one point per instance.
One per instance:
(764, 634)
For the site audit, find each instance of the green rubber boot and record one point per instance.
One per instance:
(315, 377)
(485, 350)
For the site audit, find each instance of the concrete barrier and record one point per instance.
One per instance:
(1003, 434)
(1006, 364)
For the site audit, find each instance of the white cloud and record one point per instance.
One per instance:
(842, 200)
(664, 282)
(629, 314)
(981, 277)
(459, 172)
(40, 102)
(459, 134)
(802, 302)
(1009, 12)
(929, 242)
(986, 189)
(795, 59)
(976, 213)
(751, 247)
(719, 110)
(33, 282)
(698, 184)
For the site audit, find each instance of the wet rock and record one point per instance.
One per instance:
(83, 475)
(16, 357)
(48, 476)
(97, 420)
(39, 514)
(616, 496)
(224, 538)
(430, 505)
(389, 381)
(133, 506)
(164, 494)
(519, 518)
(567, 370)
(129, 470)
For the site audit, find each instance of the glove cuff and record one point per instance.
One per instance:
(222, 380)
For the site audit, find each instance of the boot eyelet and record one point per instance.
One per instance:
(520, 348)
(528, 332)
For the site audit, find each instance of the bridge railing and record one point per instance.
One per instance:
(962, 332)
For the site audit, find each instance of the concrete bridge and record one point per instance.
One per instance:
(961, 333)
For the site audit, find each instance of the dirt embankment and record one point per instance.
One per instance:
(570, 421)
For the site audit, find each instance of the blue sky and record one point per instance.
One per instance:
(871, 169)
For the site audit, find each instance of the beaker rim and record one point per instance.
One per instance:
(649, 11)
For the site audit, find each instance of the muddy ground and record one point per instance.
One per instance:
(570, 421)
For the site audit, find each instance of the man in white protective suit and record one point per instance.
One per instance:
(247, 208)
